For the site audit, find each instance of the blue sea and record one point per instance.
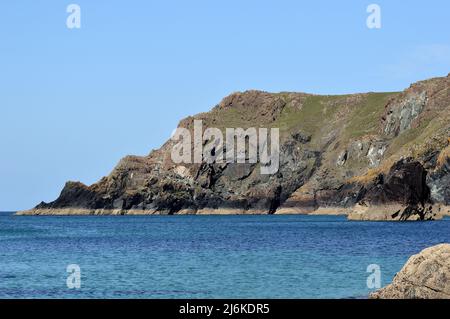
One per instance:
(204, 256)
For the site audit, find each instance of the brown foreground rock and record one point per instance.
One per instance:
(399, 195)
(425, 276)
(372, 150)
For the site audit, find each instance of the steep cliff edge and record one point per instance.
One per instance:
(358, 154)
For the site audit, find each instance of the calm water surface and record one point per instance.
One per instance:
(204, 256)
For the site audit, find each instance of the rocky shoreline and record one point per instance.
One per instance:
(380, 213)
(130, 212)
(393, 212)
(205, 211)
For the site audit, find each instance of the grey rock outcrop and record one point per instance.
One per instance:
(439, 183)
(401, 114)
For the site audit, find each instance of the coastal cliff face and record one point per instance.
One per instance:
(380, 156)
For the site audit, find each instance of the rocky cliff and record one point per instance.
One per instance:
(424, 276)
(372, 156)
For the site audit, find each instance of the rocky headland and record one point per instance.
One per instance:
(425, 276)
(371, 156)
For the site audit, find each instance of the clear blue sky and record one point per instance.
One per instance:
(73, 102)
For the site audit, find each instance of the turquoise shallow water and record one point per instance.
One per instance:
(204, 256)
